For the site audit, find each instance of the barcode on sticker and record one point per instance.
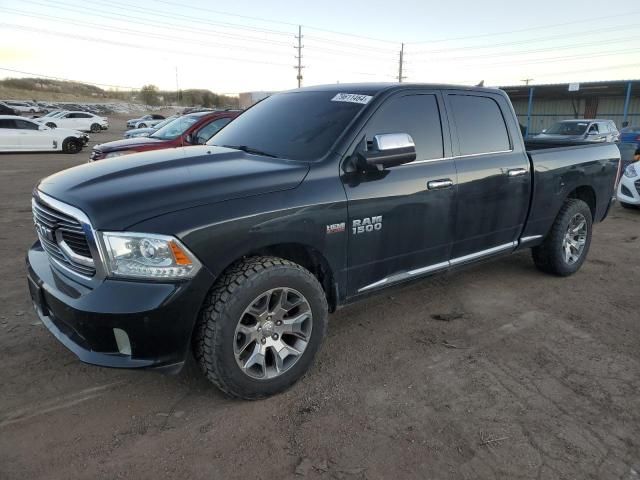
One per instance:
(352, 98)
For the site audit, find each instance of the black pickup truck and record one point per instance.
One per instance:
(237, 250)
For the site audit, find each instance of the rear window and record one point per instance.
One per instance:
(480, 125)
(298, 125)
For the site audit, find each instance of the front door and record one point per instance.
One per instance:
(9, 135)
(494, 177)
(401, 218)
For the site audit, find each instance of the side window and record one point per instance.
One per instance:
(593, 128)
(24, 125)
(7, 123)
(417, 115)
(69, 115)
(208, 131)
(480, 124)
(603, 127)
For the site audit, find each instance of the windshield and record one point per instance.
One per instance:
(568, 128)
(167, 121)
(175, 128)
(299, 125)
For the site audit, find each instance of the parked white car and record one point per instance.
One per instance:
(22, 107)
(144, 122)
(19, 134)
(629, 187)
(83, 121)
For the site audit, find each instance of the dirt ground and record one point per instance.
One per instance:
(496, 371)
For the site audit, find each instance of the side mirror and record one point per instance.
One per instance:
(389, 150)
(189, 139)
(544, 130)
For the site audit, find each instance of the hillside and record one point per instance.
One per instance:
(44, 89)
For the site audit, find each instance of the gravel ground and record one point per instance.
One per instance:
(496, 371)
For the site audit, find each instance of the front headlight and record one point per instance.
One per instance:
(630, 171)
(147, 255)
(119, 154)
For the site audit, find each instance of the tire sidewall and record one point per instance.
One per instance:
(95, 128)
(562, 266)
(225, 327)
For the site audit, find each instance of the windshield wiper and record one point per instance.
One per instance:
(253, 151)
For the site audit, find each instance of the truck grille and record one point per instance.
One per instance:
(63, 238)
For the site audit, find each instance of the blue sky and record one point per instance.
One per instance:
(248, 45)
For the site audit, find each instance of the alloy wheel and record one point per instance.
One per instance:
(575, 239)
(273, 333)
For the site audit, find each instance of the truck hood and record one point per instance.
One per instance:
(127, 143)
(123, 191)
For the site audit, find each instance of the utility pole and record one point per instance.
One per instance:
(401, 64)
(177, 87)
(527, 80)
(299, 47)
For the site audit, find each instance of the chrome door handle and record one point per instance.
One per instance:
(440, 184)
(516, 172)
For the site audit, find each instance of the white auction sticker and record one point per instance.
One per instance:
(352, 98)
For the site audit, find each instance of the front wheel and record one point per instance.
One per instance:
(71, 145)
(95, 128)
(628, 205)
(565, 249)
(51, 125)
(142, 125)
(260, 327)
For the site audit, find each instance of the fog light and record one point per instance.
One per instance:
(122, 339)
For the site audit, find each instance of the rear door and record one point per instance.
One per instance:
(494, 177)
(400, 221)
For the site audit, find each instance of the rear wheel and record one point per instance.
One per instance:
(564, 250)
(71, 145)
(260, 327)
(142, 125)
(95, 128)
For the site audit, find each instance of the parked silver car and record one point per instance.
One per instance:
(587, 130)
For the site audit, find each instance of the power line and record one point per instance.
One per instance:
(135, 32)
(156, 23)
(534, 40)
(539, 27)
(275, 21)
(539, 50)
(140, 47)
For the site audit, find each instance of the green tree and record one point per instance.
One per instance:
(149, 95)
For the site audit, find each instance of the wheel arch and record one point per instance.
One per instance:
(587, 194)
(304, 255)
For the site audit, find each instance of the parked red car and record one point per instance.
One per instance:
(192, 129)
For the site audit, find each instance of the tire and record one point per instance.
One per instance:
(225, 315)
(71, 145)
(95, 128)
(51, 125)
(628, 205)
(551, 256)
(142, 125)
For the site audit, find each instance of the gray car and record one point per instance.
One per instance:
(587, 130)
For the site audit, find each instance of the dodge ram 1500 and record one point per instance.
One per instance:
(237, 250)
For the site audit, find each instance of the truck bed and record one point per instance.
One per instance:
(559, 168)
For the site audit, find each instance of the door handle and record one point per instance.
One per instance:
(440, 184)
(516, 172)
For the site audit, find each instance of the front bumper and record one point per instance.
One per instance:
(121, 324)
(629, 190)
